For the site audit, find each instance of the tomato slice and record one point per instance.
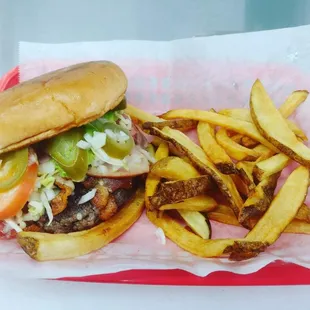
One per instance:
(12, 201)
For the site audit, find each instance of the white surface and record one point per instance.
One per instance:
(44, 295)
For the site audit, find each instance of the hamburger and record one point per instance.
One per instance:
(72, 162)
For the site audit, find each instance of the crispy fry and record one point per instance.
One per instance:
(264, 114)
(259, 200)
(152, 181)
(198, 203)
(197, 222)
(213, 150)
(245, 170)
(245, 115)
(45, 247)
(242, 188)
(270, 166)
(242, 250)
(283, 208)
(174, 168)
(180, 124)
(293, 102)
(234, 149)
(223, 214)
(199, 159)
(243, 127)
(264, 151)
(176, 191)
(141, 115)
(303, 214)
(237, 138)
(188, 240)
(248, 142)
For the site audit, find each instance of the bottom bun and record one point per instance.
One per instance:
(47, 247)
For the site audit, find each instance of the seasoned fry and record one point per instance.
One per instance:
(188, 240)
(283, 208)
(234, 149)
(152, 181)
(293, 102)
(198, 203)
(243, 127)
(245, 115)
(303, 214)
(264, 114)
(186, 146)
(141, 115)
(213, 150)
(197, 222)
(270, 166)
(46, 247)
(176, 191)
(180, 124)
(174, 168)
(259, 200)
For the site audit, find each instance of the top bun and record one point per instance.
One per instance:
(57, 101)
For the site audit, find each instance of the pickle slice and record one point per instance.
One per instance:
(12, 168)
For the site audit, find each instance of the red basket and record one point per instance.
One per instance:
(277, 273)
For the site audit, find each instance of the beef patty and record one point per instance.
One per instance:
(84, 216)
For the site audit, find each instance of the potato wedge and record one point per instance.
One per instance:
(243, 127)
(199, 159)
(270, 166)
(303, 214)
(234, 149)
(174, 168)
(197, 222)
(274, 128)
(46, 247)
(180, 124)
(245, 115)
(176, 191)
(141, 115)
(293, 102)
(188, 240)
(283, 208)
(214, 151)
(152, 180)
(198, 203)
(259, 200)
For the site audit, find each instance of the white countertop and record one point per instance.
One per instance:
(57, 295)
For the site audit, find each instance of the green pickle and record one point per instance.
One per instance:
(121, 106)
(114, 148)
(12, 168)
(73, 160)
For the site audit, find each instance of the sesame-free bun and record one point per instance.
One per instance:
(57, 101)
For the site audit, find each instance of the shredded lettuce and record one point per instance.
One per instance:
(47, 180)
(110, 116)
(59, 170)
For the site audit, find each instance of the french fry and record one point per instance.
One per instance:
(245, 170)
(174, 168)
(264, 152)
(245, 115)
(303, 214)
(234, 149)
(248, 142)
(214, 151)
(237, 138)
(197, 222)
(188, 240)
(141, 115)
(180, 124)
(259, 200)
(46, 247)
(243, 127)
(293, 102)
(270, 166)
(283, 208)
(198, 203)
(152, 180)
(264, 113)
(241, 186)
(199, 159)
(176, 191)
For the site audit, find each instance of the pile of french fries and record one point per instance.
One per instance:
(230, 177)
